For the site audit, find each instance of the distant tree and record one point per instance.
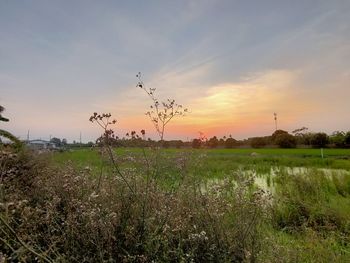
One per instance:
(196, 143)
(300, 131)
(258, 142)
(337, 138)
(306, 139)
(179, 144)
(64, 141)
(302, 136)
(165, 144)
(276, 133)
(213, 142)
(347, 138)
(230, 142)
(286, 140)
(319, 139)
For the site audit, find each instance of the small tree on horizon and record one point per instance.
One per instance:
(213, 142)
(230, 142)
(286, 140)
(319, 139)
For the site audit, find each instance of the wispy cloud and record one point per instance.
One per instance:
(231, 65)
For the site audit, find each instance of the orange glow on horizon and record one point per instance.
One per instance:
(233, 108)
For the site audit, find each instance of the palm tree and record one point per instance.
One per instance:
(2, 118)
(7, 134)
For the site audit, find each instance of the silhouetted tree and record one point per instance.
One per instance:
(319, 139)
(179, 144)
(222, 142)
(347, 138)
(196, 143)
(276, 133)
(302, 136)
(258, 142)
(338, 138)
(286, 140)
(213, 142)
(230, 142)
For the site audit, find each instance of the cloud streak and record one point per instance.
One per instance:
(231, 65)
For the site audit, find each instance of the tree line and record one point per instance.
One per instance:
(280, 138)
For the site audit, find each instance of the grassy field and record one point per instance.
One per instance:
(220, 161)
(178, 205)
(311, 217)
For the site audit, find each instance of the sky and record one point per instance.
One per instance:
(231, 63)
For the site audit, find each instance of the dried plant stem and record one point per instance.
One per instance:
(23, 243)
(116, 166)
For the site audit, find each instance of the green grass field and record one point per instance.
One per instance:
(281, 205)
(221, 161)
(285, 152)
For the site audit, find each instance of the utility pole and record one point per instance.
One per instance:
(275, 116)
(28, 136)
(80, 138)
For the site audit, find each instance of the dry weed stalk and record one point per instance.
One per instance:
(161, 112)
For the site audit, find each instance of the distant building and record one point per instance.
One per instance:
(41, 145)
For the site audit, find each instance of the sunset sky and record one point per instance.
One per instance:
(232, 63)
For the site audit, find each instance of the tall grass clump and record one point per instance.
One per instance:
(307, 200)
(312, 211)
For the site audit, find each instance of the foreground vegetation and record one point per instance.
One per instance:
(75, 206)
